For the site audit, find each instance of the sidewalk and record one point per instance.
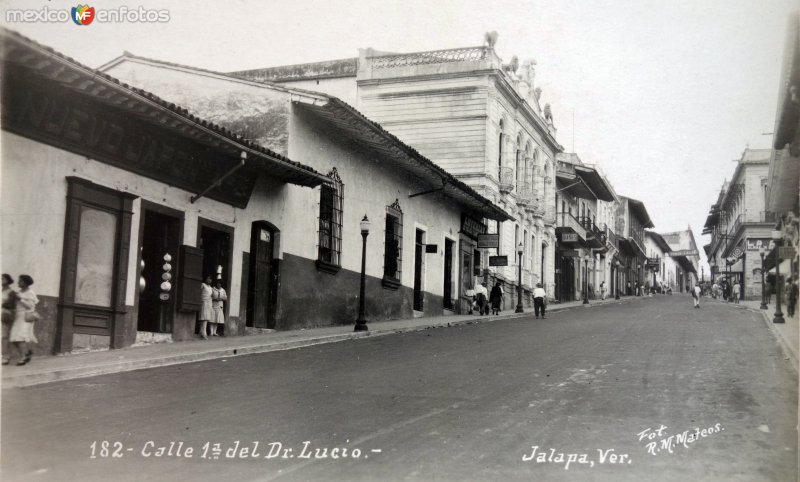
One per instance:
(787, 334)
(81, 365)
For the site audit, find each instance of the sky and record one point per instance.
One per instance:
(663, 95)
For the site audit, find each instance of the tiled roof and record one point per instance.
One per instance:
(174, 108)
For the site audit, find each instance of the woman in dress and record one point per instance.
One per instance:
(496, 297)
(22, 330)
(9, 306)
(218, 298)
(206, 311)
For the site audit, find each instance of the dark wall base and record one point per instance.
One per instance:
(312, 298)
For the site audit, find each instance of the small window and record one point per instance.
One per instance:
(330, 223)
(393, 246)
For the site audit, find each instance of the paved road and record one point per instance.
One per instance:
(464, 403)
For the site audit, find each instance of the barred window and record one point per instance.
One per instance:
(330, 220)
(393, 250)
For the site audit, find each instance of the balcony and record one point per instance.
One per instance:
(767, 217)
(567, 224)
(524, 194)
(506, 181)
(595, 238)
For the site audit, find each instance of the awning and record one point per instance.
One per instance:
(570, 182)
(29, 68)
(595, 182)
(638, 208)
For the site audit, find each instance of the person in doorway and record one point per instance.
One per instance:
(696, 295)
(737, 291)
(9, 306)
(496, 298)
(602, 290)
(482, 299)
(206, 309)
(539, 300)
(22, 331)
(218, 298)
(791, 296)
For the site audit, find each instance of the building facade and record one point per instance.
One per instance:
(144, 198)
(739, 224)
(682, 261)
(476, 117)
(631, 220)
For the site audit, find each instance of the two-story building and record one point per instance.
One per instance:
(581, 241)
(739, 224)
(657, 274)
(682, 262)
(632, 219)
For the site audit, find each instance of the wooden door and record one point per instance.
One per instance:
(261, 275)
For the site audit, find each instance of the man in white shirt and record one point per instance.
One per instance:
(696, 295)
(539, 297)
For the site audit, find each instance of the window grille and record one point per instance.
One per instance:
(330, 220)
(393, 248)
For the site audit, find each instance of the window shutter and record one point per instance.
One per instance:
(190, 278)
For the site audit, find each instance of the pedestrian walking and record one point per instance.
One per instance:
(696, 295)
(792, 292)
(9, 306)
(218, 298)
(602, 290)
(539, 300)
(736, 292)
(482, 299)
(496, 298)
(206, 309)
(629, 289)
(25, 316)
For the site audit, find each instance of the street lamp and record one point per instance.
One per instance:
(616, 281)
(763, 251)
(586, 280)
(776, 236)
(361, 322)
(519, 279)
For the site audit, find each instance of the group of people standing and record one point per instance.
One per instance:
(212, 304)
(19, 318)
(482, 300)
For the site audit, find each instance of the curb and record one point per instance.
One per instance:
(784, 344)
(120, 366)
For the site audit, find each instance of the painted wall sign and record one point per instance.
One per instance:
(431, 248)
(488, 241)
(498, 260)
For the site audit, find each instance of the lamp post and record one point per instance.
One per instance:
(776, 236)
(519, 278)
(586, 279)
(616, 281)
(763, 251)
(361, 322)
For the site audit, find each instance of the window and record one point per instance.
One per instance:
(330, 224)
(393, 246)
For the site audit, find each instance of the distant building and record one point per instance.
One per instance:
(632, 219)
(683, 261)
(656, 271)
(739, 224)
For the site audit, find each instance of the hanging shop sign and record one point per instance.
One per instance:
(488, 241)
(498, 260)
(431, 248)
(472, 227)
(569, 237)
(683, 252)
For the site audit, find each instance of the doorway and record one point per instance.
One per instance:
(216, 241)
(419, 252)
(261, 274)
(161, 235)
(448, 273)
